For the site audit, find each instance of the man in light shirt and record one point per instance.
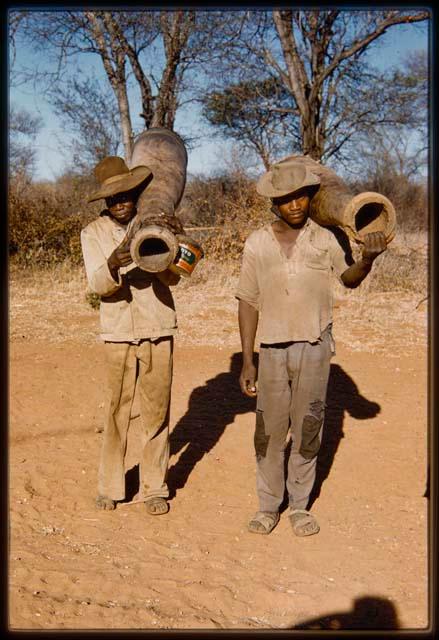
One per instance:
(138, 321)
(285, 288)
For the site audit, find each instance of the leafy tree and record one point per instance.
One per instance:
(318, 58)
(400, 140)
(256, 114)
(325, 96)
(90, 115)
(156, 45)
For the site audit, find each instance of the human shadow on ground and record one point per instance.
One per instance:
(369, 612)
(132, 483)
(214, 406)
(211, 408)
(342, 395)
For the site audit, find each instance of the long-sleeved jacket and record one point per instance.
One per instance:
(135, 307)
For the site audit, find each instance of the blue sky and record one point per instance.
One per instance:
(208, 155)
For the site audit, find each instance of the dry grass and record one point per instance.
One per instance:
(387, 313)
(50, 305)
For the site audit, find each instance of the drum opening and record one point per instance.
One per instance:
(153, 247)
(368, 217)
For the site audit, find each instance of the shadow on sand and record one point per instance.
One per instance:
(213, 407)
(369, 612)
(342, 395)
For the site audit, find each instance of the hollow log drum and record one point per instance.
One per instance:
(158, 235)
(335, 204)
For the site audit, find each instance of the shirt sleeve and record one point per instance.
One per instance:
(99, 277)
(339, 251)
(248, 288)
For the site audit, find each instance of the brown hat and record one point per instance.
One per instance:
(286, 177)
(115, 177)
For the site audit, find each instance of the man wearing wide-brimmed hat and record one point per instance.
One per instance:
(138, 321)
(284, 290)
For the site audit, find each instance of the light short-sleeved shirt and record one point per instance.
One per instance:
(136, 306)
(293, 295)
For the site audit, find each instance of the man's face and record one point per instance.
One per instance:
(294, 207)
(122, 206)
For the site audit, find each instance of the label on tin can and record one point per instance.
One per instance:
(187, 258)
(186, 255)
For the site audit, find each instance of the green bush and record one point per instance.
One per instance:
(45, 223)
(230, 207)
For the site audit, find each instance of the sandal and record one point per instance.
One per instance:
(102, 502)
(303, 522)
(263, 522)
(156, 506)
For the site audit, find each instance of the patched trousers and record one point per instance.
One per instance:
(292, 384)
(149, 365)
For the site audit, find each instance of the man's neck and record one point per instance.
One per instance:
(283, 226)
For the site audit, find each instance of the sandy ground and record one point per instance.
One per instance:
(72, 567)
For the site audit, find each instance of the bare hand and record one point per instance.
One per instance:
(121, 256)
(374, 244)
(247, 380)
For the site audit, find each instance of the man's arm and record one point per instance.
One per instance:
(102, 278)
(248, 323)
(121, 257)
(374, 244)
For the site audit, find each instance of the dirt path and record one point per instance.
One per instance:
(72, 567)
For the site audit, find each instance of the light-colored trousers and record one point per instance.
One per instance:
(292, 385)
(149, 365)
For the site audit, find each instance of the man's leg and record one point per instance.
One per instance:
(311, 364)
(272, 421)
(121, 367)
(155, 379)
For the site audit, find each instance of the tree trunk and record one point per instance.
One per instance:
(116, 74)
(125, 122)
(175, 31)
(315, 49)
(300, 86)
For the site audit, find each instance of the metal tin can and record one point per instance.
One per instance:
(188, 255)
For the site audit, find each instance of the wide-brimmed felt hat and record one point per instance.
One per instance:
(284, 177)
(115, 177)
